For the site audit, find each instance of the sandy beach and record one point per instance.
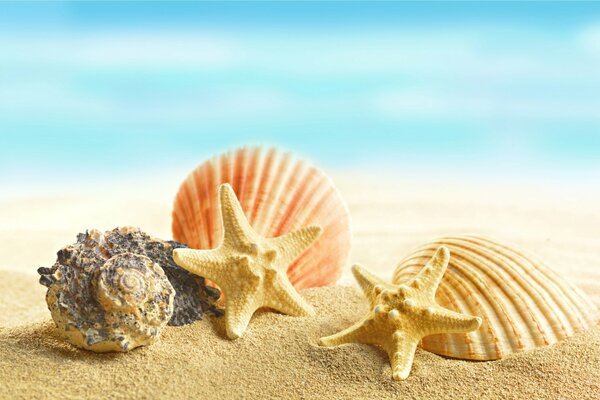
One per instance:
(279, 357)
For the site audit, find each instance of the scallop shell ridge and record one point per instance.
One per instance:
(524, 304)
(279, 193)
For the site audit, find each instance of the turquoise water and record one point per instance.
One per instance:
(102, 89)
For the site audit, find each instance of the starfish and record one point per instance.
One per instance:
(401, 315)
(250, 270)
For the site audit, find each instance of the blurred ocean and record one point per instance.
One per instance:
(107, 90)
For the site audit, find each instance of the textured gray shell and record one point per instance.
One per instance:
(123, 304)
(93, 249)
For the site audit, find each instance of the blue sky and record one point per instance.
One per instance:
(102, 89)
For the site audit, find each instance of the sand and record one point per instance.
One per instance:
(278, 357)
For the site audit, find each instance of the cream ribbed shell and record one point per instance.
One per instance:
(523, 303)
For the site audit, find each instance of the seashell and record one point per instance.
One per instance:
(524, 305)
(279, 193)
(117, 306)
(80, 283)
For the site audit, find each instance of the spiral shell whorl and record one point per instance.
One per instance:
(119, 288)
(125, 281)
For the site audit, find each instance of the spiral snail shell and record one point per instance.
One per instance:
(115, 291)
(124, 304)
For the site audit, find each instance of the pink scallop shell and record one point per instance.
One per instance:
(279, 193)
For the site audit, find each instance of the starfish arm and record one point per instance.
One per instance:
(367, 282)
(441, 320)
(236, 228)
(357, 333)
(402, 354)
(291, 245)
(284, 298)
(210, 264)
(238, 312)
(429, 278)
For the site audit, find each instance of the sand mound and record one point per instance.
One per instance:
(277, 358)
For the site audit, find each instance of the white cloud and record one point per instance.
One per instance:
(40, 97)
(452, 73)
(460, 105)
(60, 100)
(589, 40)
(476, 54)
(460, 54)
(121, 50)
(246, 103)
